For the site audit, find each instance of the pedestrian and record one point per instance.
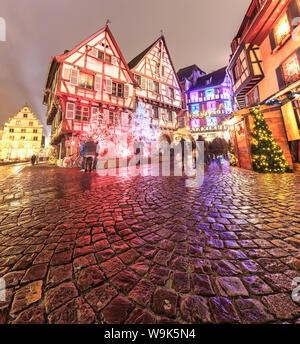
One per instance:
(33, 159)
(89, 154)
(82, 154)
(97, 155)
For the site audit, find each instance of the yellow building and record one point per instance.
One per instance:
(21, 137)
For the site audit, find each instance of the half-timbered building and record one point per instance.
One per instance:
(158, 88)
(89, 84)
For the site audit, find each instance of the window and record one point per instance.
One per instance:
(282, 30)
(18, 122)
(82, 113)
(211, 106)
(157, 68)
(86, 81)
(155, 112)
(228, 106)
(111, 117)
(23, 130)
(194, 97)
(138, 79)
(163, 71)
(11, 138)
(171, 93)
(30, 124)
(35, 131)
(11, 130)
(117, 89)
(24, 115)
(35, 138)
(70, 108)
(195, 109)
(22, 137)
(100, 55)
(170, 116)
(155, 86)
(291, 69)
(211, 121)
(181, 122)
(210, 93)
(107, 58)
(226, 93)
(252, 97)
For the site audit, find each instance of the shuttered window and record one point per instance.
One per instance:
(94, 115)
(108, 86)
(74, 76)
(126, 91)
(70, 109)
(97, 83)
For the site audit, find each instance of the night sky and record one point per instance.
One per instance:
(196, 31)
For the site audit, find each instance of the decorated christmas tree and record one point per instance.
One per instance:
(232, 157)
(267, 156)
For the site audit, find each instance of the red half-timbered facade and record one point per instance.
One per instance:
(158, 87)
(91, 81)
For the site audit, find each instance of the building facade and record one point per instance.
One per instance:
(21, 136)
(209, 103)
(265, 71)
(89, 91)
(158, 90)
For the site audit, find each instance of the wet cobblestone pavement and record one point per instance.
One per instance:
(80, 248)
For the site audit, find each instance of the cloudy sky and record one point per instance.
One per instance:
(196, 31)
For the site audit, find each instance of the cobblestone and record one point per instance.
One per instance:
(80, 248)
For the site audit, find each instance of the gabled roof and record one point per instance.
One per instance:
(210, 80)
(139, 57)
(56, 60)
(185, 73)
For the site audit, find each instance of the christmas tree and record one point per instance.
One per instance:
(267, 156)
(232, 157)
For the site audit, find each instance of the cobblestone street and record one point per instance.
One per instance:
(80, 248)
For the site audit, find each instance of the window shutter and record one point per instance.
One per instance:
(256, 95)
(280, 79)
(70, 110)
(150, 85)
(94, 52)
(74, 76)
(246, 101)
(114, 60)
(293, 11)
(126, 91)
(94, 116)
(108, 86)
(272, 40)
(143, 82)
(97, 85)
(66, 73)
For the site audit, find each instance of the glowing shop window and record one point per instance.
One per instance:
(211, 106)
(226, 93)
(195, 123)
(291, 69)
(282, 29)
(194, 97)
(211, 121)
(195, 109)
(210, 93)
(227, 105)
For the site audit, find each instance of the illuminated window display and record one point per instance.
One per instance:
(211, 121)
(282, 30)
(291, 69)
(195, 123)
(194, 97)
(210, 93)
(195, 109)
(211, 106)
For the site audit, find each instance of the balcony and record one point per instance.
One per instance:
(245, 71)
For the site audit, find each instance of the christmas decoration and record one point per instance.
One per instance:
(232, 157)
(267, 156)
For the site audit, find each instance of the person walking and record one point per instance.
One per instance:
(33, 159)
(89, 154)
(97, 155)
(82, 155)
